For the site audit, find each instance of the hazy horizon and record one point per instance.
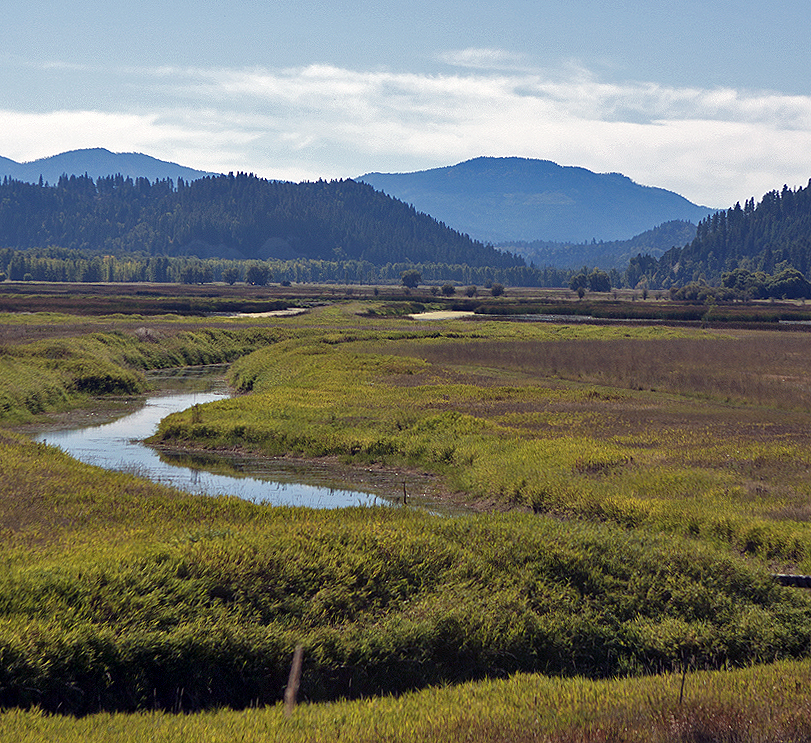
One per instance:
(706, 101)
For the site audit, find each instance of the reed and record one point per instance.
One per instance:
(642, 528)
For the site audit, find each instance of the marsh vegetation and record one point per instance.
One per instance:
(639, 486)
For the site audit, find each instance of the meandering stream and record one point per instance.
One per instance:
(119, 445)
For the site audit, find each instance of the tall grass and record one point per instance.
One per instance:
(764, 704)
(61, 372)
(765, 368)
(494, 426)
(118, 594)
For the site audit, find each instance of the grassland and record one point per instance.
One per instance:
(767, 704)
(645, 483)
(697, 433)
(123, 595)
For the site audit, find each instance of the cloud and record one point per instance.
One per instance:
(483, 58)
(715, 146)
(169, 135)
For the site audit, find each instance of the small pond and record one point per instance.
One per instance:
(119, 445)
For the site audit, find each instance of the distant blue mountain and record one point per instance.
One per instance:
(95, 163)
(506, 199)
(610, 254)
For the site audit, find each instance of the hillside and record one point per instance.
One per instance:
(507, 199)
(768, 237)
(231, 216)
(613, 254)
(96, 163)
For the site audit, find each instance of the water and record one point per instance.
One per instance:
(119, 446)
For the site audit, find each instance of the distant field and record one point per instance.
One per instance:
(645, 482)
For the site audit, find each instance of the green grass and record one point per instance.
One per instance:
(121, 595)
(60, 373)
(646, 518)
(763, 704)
(691, 464)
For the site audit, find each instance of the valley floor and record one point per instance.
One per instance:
(650, 481)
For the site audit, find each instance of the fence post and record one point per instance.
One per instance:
(291, 692)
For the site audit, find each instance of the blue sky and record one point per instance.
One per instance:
(709, 99)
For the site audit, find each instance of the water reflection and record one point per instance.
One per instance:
(119, 446)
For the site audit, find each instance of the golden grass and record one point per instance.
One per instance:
(690, 432)
(764, 704)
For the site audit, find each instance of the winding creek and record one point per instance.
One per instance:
(119, 445)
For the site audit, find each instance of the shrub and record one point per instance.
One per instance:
(411, 278)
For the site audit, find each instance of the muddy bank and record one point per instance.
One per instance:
(423, 489)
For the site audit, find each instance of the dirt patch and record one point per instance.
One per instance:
(441, 315)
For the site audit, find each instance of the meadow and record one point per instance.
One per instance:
(637, 486)
(698, 433)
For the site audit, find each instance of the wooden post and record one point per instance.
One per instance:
(291, 692)
(683, 679)
(405, 495)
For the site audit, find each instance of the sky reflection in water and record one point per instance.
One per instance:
(119, 446)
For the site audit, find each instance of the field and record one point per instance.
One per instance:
(637, 487)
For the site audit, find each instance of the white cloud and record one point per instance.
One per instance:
(29, 136)
(715, 146)
(483, 58)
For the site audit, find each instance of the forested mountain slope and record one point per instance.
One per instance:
(514, 198)
(232, 216)
(769, 237)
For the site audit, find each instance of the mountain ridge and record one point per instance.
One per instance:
(521, 199)
(96, 162)
(232, 216)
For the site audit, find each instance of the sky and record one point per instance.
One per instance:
(710, 98)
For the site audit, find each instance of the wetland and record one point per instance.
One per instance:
(639, 485)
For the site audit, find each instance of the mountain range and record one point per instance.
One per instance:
(154, 208)
(497, 200)
(96, 163)
(613, 254)
(511, 198)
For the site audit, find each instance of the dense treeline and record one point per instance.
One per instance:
(59, 264)
(768, 238)
(234, 216)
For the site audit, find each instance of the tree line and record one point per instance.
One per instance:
(232, 216)
(762, 240)
(64, 265)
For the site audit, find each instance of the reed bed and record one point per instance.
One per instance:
(647, 504)
(756, 367)
(763, 704)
